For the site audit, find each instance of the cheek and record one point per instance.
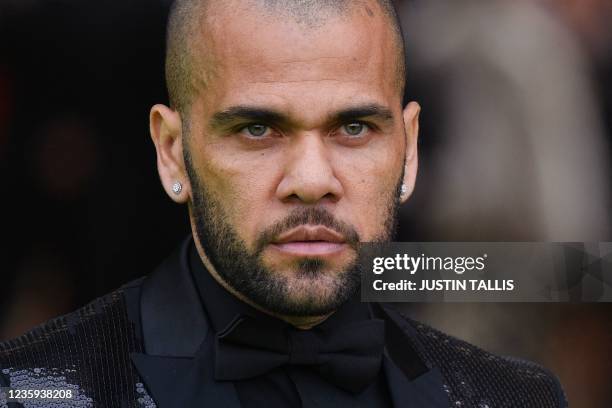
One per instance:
(371, 207)
(247, 183)
(370, 179)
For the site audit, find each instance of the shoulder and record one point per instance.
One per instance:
(86, 350)
(475, 377)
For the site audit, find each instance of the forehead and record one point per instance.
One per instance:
(260, 58)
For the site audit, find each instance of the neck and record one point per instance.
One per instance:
(300, 322)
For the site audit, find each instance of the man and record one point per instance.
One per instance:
(286, 137)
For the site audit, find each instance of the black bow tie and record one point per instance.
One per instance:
(349, 356)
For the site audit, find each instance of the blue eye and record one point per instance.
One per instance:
(354, 129)
(256, 130)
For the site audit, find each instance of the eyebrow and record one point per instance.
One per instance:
(363, 111)
(246, 113)
(255, 114)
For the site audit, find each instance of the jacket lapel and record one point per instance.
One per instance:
(425, 391)
(178, 345)
(185, 381)
(412, 384)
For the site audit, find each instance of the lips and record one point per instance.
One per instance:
(307, 240)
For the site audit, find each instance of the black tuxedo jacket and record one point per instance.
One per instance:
(148, 344)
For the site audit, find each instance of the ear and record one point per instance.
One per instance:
(166, 131)
(411, 128)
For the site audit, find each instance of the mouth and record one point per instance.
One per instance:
(309, 240)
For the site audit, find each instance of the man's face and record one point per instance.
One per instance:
(295, 152)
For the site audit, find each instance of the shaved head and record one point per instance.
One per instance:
(190, 68)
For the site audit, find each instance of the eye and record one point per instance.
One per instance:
(256, 130)
(355, 128)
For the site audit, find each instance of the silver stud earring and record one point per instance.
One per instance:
(177, 187)
(404, 189)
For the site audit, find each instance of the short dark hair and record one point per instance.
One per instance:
(186, 15)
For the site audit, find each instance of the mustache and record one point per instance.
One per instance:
(307, 216)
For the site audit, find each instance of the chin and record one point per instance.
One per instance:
(314, 286)
(310, 267)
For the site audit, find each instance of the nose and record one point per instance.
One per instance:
(309, 175)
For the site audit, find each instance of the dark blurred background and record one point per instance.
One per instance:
(515, 145)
